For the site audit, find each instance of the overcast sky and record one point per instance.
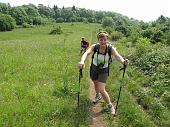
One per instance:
(146, 10)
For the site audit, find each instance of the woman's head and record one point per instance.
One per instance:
(102, 37)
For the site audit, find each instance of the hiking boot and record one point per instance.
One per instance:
(97, 98)
(111, 109)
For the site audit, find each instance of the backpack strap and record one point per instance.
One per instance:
(96, 49)
(110, 53)
(110, 56)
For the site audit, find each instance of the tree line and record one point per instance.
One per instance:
(116, 24)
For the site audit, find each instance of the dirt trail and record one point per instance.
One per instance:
(96, 110)
(97, 119)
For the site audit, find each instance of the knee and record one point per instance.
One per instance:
(102, 89)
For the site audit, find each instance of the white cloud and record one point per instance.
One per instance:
(146, 10)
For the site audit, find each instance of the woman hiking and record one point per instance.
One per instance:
(99, 69)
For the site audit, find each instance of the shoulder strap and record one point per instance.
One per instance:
(110, 53)
(96, 49)
(110, 56)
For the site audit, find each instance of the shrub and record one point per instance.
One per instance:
(107, 22)
(56, 30)
(59, 20)
(143, 46)
(38, 21)
(26, 25)
(73, 19)
(116, 36)
(7, 23)
(166, 99)
(109, 30)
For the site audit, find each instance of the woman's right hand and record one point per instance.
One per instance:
(81, 65)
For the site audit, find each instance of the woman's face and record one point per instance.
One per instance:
(103, 41)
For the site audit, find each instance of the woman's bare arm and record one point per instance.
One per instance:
(87, 53)
(117, 55)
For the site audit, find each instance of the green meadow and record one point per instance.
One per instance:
(39, 80)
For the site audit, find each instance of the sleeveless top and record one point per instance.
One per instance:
(100, 58)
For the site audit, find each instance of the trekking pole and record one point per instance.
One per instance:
(80, 76)
(124, 68)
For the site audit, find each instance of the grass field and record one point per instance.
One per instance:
(39, 75)
(36, 73)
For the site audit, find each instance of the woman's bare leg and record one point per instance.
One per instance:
(105, 95)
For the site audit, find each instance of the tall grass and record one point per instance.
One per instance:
(37, 71)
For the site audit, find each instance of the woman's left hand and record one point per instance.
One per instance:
(126, 62)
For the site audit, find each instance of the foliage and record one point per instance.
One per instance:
(59, 20)
(25, 25)
(19, 14)
(7, 23)
(5, 8)
(56, 30)
(116, 36)
(107, 22)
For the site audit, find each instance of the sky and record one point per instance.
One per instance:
(146, 10)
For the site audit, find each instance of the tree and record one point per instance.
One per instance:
(57, 12)
(73, 8)
(19, 14)
(161, 19)
(5, 8)
(107, 22)
(144, 25)
(147, 33)
(31, 10)
(7, 23)
(66, 14)
(123, 29)
(46, 11)
(157, 36)
(99, 16)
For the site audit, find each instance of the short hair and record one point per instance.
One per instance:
(102, 34)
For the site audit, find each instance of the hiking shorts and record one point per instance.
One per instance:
(98, 74)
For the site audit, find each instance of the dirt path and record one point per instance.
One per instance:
(96, 110)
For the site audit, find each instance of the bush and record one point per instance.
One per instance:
(59, 20)
(109, 30)
(56, 30)
(166, 99)
(26, 25)
(81, 19)
(86, 21)
(7, 23)
(73, 19)
(107, 22)
(91, 20)
(142, 46)
(37, 21)
(123, 29)
(148, 57)
(116, 36)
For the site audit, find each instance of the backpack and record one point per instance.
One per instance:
(108, 50)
